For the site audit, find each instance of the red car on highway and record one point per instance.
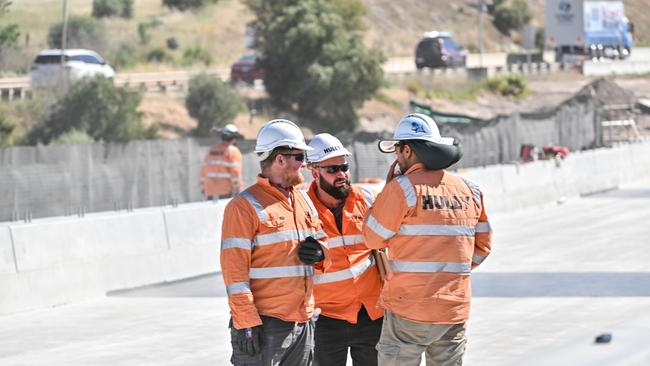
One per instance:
(246, 69)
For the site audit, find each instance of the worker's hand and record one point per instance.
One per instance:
(393, 171)
(310, 251)
(248, 340)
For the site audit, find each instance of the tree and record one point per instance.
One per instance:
(8, 33)
(83, 32)
(97, 108)
(509, 16)
(183, 5)
(212, 103)
(112, 8)
(315, 61)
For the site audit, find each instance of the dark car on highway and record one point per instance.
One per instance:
(438, 49)
(246, 69)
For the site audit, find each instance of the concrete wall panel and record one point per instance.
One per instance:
(7, 265)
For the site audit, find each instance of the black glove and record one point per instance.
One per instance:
(248, 340)
(310, 251)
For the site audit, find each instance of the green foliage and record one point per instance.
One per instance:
(315, 61)
(510, 85)
(112, 8)
(6, 130)
(8, 33)
(144, 32)
(172, 43)
(159, 55)
(83, 32)
(212, 102)
(97, 108)
(511, 15)
(73, 137)
(183, 5)
(125, 57)
(195, 55)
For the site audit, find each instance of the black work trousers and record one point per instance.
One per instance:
(334, 336)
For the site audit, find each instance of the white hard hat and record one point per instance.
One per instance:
(325, 146)
(229, 128)
(415, 126)
(279, 132)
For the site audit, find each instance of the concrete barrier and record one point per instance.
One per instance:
(604, 68)
(60, 260)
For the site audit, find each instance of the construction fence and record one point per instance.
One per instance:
(58, 180)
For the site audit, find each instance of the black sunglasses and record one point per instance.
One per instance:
(297, 156)
(333, 169)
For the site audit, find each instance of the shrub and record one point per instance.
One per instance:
(83, 32)
(143, 32)
(195, 55)
(73, 137)
(97, 108)
(112, 8)
(509, 16)
(511, 85)
(8, 33)
(183, 5)
(212, 102)
(6, 129)
(159, 55)
(124, 57)
(172, 43)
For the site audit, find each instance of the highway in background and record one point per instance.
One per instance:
(559, 275)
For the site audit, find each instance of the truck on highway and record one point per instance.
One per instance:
(588, 29)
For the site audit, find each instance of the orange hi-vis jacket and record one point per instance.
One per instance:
(260, 237)
(352, 279)
(436, 231)
(221, 170)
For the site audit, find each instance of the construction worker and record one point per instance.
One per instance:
(221, 170)
(436, 231)
(348, 291)
(272, 239)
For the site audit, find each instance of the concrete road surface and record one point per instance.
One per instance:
(559, 276)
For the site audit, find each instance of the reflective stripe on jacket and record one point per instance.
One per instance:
(221, 170)
(260, 237)
(436, 230)
(352, 279)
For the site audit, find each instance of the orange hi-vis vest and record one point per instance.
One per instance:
(221, 170)
(352, 279)
(436, 231)
(260, 237)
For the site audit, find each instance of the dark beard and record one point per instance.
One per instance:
(291, 178)
(340, 193)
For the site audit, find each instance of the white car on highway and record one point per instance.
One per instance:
(78, 63)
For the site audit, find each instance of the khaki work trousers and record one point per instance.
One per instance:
(402, 343)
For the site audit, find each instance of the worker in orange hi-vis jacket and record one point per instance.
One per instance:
(271, 242)
(436, 231)
(221, 170)
(348, 291)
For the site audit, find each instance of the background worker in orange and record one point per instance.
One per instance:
(436, 231)
(348, 291)
(271, 241)
(221, 170)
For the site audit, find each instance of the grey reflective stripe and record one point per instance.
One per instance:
(478, 259)
(483, 227)
(242, 243)
(286, 235)
(217, 175)
(238, 288)
(375, 226)
(445, 230)
(352, 272)
(430, 267)
(339, 241)
(222, 163)
(409, 191)
(475, 190)
(368, 197)
(280, 272)
(261, 213)
(309, 202)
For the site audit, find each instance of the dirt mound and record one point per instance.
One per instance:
(607, 92)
